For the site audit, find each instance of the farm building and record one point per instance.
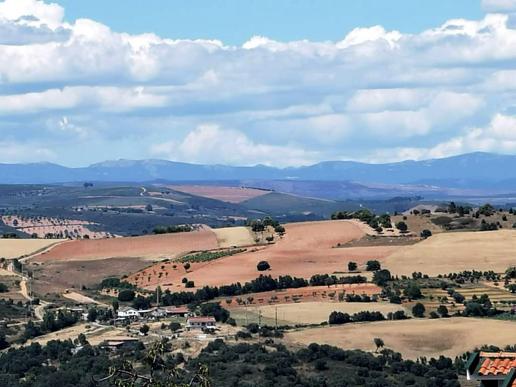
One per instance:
(201, 323)
(128, 312)
(117, 342)
(176, 311)
(492, 369)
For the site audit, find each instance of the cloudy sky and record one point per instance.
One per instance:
(247, 82)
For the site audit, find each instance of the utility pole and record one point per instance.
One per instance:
(246, 321)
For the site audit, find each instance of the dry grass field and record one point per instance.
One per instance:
(413, 338)
(306, 249)
(56, 277)
(16, 248)
(233, 236)
(315, 312)
(149, 247)
(225, 194)
(456, 251)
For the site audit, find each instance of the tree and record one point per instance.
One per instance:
(82, 339)
(402, 226)
(115, 305)
(144, 329)
(92, 314)
(187, 266)
(510, 272)
(443, 311)
(263, 265)
(3, 288)
(426, 234)
(373, 265)
(126, 295)
(148, 207)
(418, 310)
(174, 326)
(279, 229)
(352, 266)
(379, 343)
(413, 291)
(381, 277)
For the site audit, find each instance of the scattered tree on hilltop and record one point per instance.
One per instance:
(263, 265)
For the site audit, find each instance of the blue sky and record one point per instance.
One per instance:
(235, 21)
(256, 82)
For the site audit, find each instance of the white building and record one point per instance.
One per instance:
(128, 312)
(201, 323)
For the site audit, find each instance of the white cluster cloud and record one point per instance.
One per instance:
(374, 95)
(232, 146)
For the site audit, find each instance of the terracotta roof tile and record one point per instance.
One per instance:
(498, 365)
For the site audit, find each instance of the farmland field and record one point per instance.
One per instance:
(233, 236)
(315, 312)
(57, 276)
(225, 194)
(306, 249)
(15, 248)
(413, 338)
(149, 247)
(456, 251)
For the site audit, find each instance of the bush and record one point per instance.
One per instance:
(381, 277)
(373, 265)
(126, 295)
(426, 234)
(3, 288)
(190, 284)
(402, 226)
(352, 266)
(443, 311)
(418, 310)
(144, 329)
(174, 326)
(263, 265)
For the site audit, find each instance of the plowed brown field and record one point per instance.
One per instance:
(305, 250)
(149, 247)
(225, 194)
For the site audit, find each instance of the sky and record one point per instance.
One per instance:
(282, 83)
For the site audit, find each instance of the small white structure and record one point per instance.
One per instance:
(128, 312)
(201, 323)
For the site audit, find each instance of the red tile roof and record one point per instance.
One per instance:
(497, 363)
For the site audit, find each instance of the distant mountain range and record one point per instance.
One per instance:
(468, 171)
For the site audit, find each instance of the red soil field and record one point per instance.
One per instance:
(150, 247)
(225, 194)
(305, 250)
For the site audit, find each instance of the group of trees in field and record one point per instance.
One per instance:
(261, 225)
(52, 321)
(377, 222)
(339, 318)
(173, 229)
(263, 283)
